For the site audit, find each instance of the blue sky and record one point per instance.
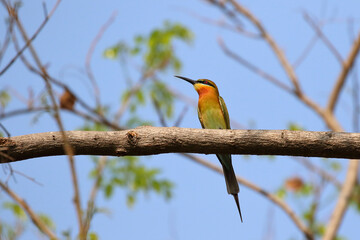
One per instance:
(200, 208)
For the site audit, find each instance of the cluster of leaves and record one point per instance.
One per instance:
(156, 49)
(128, 173)
(4, 98)
(14, 231)
(157, 54)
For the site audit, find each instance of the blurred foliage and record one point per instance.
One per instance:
(4, 98)
(11, 231)
(129, 174)
(156, 54)
(295, 127)
(17, 211)
(331, 164)
(156, 49)
(93, 236)
(47, 221)
(15, 230)
(355, 199)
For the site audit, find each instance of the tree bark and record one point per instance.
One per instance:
(156, 140)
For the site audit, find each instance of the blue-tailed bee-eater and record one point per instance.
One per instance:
(213, 114)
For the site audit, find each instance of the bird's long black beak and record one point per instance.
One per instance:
(187, 79)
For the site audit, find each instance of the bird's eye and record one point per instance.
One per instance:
(206, 82)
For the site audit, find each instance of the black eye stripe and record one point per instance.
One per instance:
(207, 83)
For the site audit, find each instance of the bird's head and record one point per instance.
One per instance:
(202, 85)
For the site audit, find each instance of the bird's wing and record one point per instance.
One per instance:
(225, 112)
(200, 118)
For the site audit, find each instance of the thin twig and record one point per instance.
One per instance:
(319, 171)
(83, 115)
(181, 116)
(135, 89)
(57, 82)
(342, 201)
(253, 68)
(322, 36)
(91, 202)
(67, 148)
(219, 23)
(5, 130)
(278, 52)
(90, 53)
(159, 112)
(30, 40)
(7, 39)
(355, 84)
(33, 216)
(348, 64)
(306, 52)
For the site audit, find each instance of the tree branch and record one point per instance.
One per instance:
(156, 140)
(33, 216)
(267, 37)
(275, 199)
(348, 64)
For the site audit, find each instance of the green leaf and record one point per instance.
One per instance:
(295, 127)
(4, 98)
(16, 210)
(93, 236)
(281, 193)
(306, 190)
(140, 97)
(130, 200)
(335, 166)
(109, 190)
(128, 173)
(116, 51)
(47, 221)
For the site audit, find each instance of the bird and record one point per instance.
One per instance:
(213, 114)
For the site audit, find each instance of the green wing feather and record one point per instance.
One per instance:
(200, 118)
(225, 112)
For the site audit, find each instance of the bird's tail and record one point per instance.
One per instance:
(232, 185)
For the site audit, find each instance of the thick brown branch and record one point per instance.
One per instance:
(156, 140)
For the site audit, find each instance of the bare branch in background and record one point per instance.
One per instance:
(317, 170)
(66, 146)
(306, 52)
(223, 24)
(90, 53)
(28, 42)
(276, 200)
(267, 37)
(347, 66)
(355, 83)
(33, 216)
(91, 202)
(5, 130)
(132, 91)
(181, 116)
(322, 36)
(253, 68)
(159, 112)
